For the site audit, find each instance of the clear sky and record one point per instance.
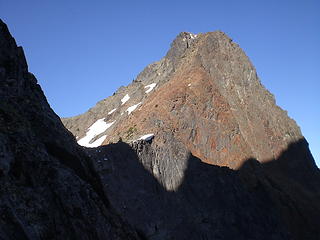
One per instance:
(82, 51)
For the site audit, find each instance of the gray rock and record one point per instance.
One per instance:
(225, 161)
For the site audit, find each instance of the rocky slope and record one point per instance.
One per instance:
(201, 109)
(207, 93)
(49, 189)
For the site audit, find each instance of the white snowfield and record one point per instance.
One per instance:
(95, 129)
(147, 137)
(112, 111)
(132, 108)
(125, 99)
(150, 87)
(98, 142)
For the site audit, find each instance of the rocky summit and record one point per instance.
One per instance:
(205, 93)
(194, 148)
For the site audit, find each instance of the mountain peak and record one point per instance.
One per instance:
(203, 101)
(205, 92)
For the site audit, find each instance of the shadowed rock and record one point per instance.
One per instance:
(49, 189)
(258, 201)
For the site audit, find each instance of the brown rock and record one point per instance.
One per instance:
(208, 104)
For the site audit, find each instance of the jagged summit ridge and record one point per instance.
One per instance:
(151, 77)
(206, 91)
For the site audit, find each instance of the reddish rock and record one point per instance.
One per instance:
(208, 105)
(212, 101)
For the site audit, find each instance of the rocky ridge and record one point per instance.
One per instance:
(49, 189)
(206, 91)
(203, 107)
(128, 99)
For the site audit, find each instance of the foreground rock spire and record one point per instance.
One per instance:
(199, 150)
(49, 189)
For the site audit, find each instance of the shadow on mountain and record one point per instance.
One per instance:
(293, 183)
(278, 199)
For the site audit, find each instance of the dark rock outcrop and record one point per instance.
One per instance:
(257, 201)
(211, 202)
(49, 189)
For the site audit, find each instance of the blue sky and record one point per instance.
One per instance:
(82, 51)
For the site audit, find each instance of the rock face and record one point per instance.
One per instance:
(207, 93)
(223, 162)
(211, 202)
(49, 189)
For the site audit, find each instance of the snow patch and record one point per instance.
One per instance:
(147, 137)
(112, 111)
(95, 129)
(193, 36)
(125, 99)
(132, 108)
(189, 84)
(150, 87)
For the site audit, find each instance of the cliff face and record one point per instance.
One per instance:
(208, 201)
(204, 151)
(207, 94)
(48, 187)
(204, 93)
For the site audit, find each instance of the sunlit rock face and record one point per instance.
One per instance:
(204, 93)
(198, 149)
